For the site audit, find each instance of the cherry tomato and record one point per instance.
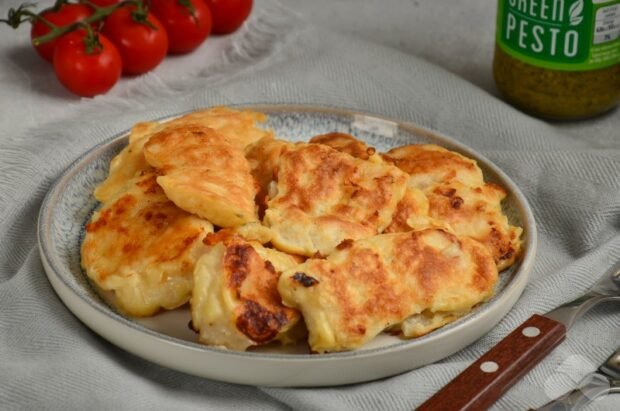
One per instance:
(142, 47)
(228, 15)
(104, 3)
(82, 73)
(65, 15)
(185, 31)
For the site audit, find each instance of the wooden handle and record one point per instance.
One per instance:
(486, 380)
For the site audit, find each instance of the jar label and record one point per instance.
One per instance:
(572, 35)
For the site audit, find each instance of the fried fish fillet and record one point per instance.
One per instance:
(204, 174)
(143, 248)
(240, 128)
(264, 158)
(346, 143)
(369, 285)
(235, 302)
(323, 197)
(414, 203)
(429, 164)
(458, 196)
(129, 163)
(476, 212)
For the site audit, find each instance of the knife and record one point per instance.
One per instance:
(594, 385)
(487, 379)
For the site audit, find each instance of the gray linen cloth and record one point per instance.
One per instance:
(49, 360)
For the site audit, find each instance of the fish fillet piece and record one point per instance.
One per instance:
(129, 163)
(204, 174)
(459, 197)
(429, 164)
(235, 302)
(240, 128)
(322, 197)
(413, 204)
(264, 158)
(143, 248)
(369, 285)
(346, 143)
(476, 212)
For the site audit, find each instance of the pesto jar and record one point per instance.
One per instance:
(559, 59)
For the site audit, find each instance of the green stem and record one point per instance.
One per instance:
(98, 15)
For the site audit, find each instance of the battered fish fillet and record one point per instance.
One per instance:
(235, 302)
(129, 163)
(143, 248)
(264, 158)
(369, 285)
(429, 165)
(476, 212)
(414, 204)
(204, 174)
(459, 197)
(323, 197)
(346, 143)
(240, 128)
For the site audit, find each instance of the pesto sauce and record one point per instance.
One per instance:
(556, 94)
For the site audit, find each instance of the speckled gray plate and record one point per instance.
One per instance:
(165, 339)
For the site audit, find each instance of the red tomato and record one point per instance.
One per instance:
(142, 47)
(65, 15)
(86, 74)
(104, 3)
(228, 15)
(185, 32)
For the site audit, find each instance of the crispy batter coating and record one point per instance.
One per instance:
(459, 197)
(143, 248)
(476, 212)
(346, 143)
(238, 127)
(235, 302)
(420, 324)
(323, 197)
(429, 164)
(413, 204)
(203, 174)
(264, 158)
(129, 163)
(369, 285)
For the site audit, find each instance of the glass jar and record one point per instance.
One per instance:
(559, 59)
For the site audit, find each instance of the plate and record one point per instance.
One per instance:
(166, 339)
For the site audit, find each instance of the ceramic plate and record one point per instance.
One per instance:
(166, 339)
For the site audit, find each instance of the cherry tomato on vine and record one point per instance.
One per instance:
(143, 45)
(188, 23)
(83, 73)
(104, 3)
(228, 15)
(65, 15)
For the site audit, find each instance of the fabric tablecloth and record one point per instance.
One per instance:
(569, 172)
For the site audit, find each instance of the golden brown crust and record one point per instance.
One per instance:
(143, 247)
(203, 174)
(371, 284)
(324, 196)
(429, 164)
(477, 213)
(235, 301)
(345, 143)
(459, 197)
(414, 203)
